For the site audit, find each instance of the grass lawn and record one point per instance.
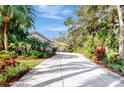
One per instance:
(30, 62)
(14, 73)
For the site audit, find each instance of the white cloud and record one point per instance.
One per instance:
(50, 16)
(53, 12)
(55, 28)
(66, 12)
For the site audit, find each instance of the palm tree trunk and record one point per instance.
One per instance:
(6, 20)
(1, 40)
(121, 40)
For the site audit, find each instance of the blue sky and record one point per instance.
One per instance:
(50, 19)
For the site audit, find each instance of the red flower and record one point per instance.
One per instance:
(10, 62)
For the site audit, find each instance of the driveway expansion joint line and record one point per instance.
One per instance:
(69, 69)
(61, 72)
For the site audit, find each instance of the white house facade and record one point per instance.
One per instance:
(39, 36)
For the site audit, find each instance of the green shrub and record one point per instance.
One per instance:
(13, 52)
(2, 52)
(8, 56)
(122, 69)
(2, 78)
(107, 60)
(5, 57)
(41, 54)
(54, 51)
(88, 53)
(122, 65)
(89, 48)
(12, 71)
(112, 57)
(47, 54)
(35, 54)
(115, 66)
(111, 53)
(122, 62)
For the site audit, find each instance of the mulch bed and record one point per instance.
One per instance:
(106, 66)
(12, 80)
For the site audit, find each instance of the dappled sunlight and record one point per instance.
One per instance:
(64, 73)
(60, 78)
(83, 45)
(115, 83)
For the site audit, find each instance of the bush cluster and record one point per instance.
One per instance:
(11, 72)
(42, 54)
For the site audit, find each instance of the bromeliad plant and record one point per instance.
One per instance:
(7, 60)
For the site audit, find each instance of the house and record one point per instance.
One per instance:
(60, 46)
(42, 38)
(39, 36)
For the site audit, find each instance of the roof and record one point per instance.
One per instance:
(39, 34)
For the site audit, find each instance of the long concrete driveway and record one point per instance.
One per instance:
(69, 70)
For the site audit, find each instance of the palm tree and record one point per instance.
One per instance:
(1, 29)
(121, 40)
(23, 15)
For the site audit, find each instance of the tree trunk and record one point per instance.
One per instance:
(121, 39)
(1, 40)
(6, 20)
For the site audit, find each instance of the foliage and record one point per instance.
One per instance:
(53, 52)
(111, 54)
(122, 65)
(94, 32)
(115, 66)
(61, 37)
(16, 21)
(2, 52)
(42, 54)
(30, 62)
(8, 56)
(12, 72)
(122, 69)
(94, 26)
(7, 63)
(35, 54)
(48, 54)
(17, 41)
(4, 57)
(89, 48)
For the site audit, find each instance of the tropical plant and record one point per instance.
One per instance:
(94, 27)
(35, 54)
(19, 18)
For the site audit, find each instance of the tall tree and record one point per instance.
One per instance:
(121, 22)
(89, 23)
(20, 14)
